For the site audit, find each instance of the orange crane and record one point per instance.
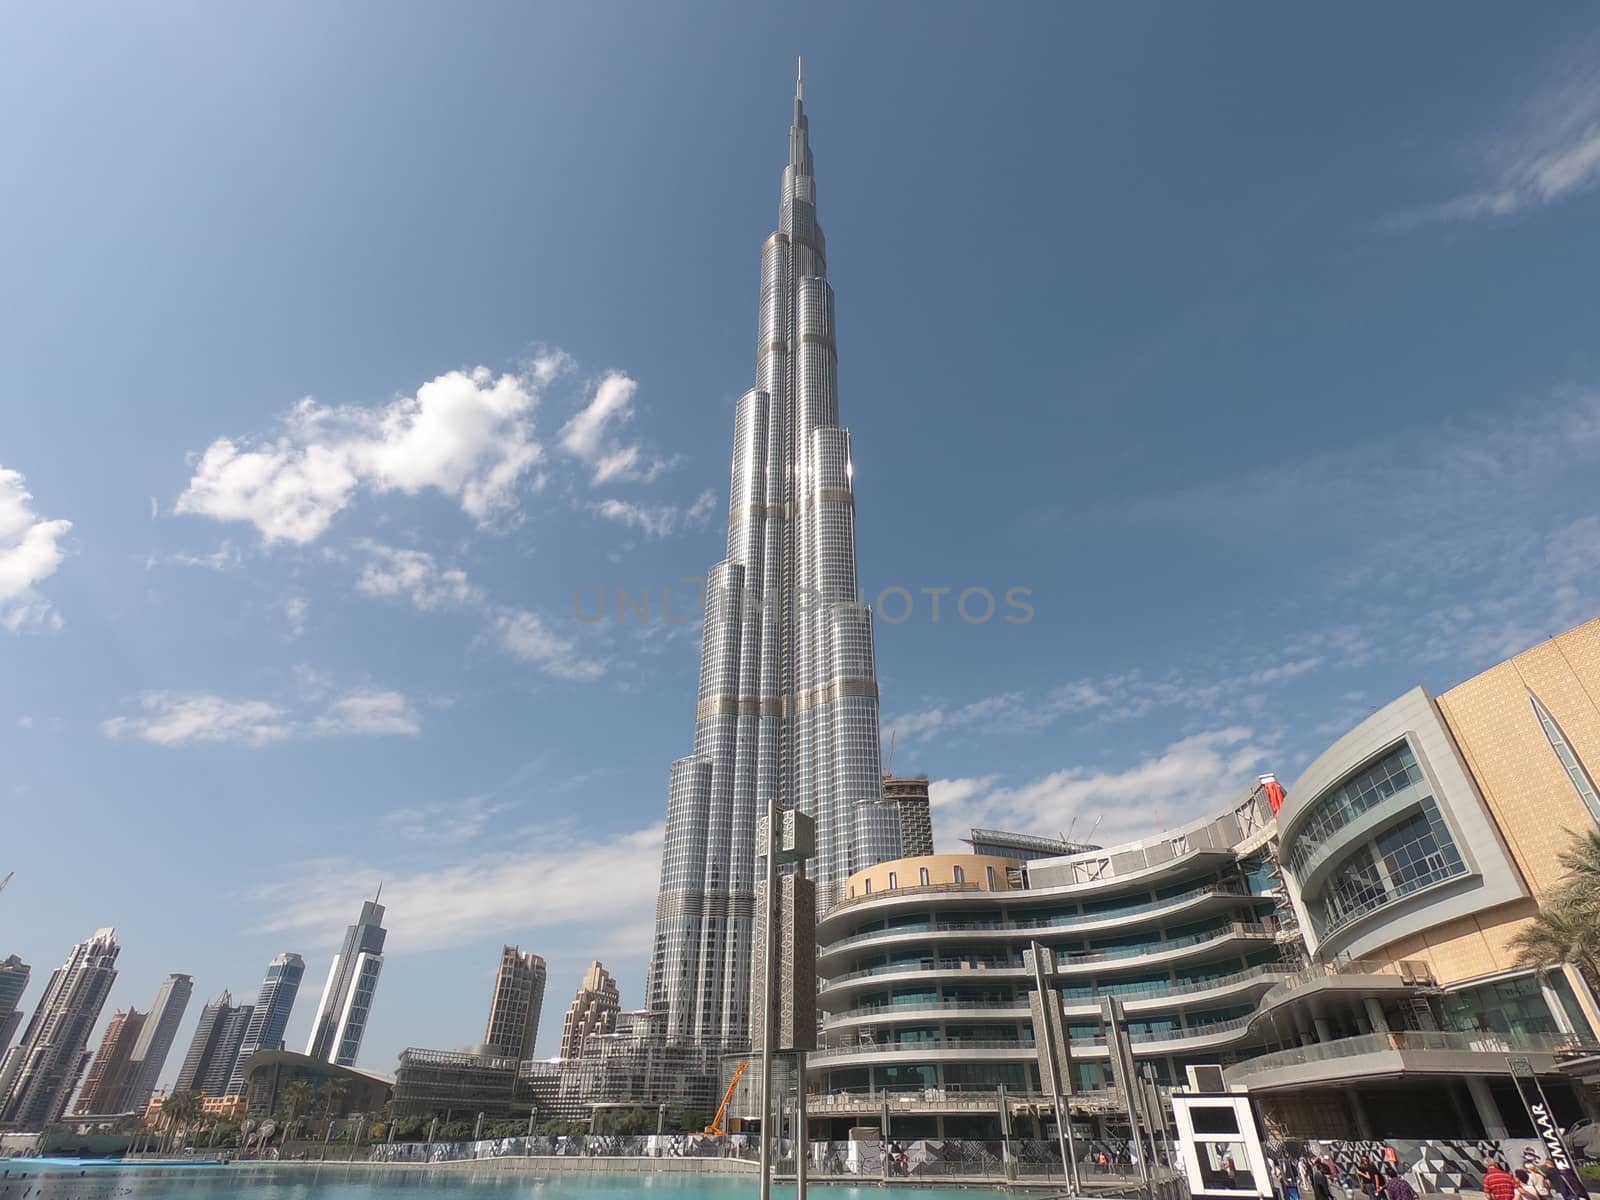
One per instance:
(715, 1129)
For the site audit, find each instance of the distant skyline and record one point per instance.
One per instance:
(1254, 346)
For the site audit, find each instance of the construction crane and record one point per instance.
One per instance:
(715, 1129)
(9, 876)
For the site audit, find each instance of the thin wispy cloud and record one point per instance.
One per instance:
(1548, 152)
(1127, 696)
(659, 520)
(1189, 778)
(30, 552)
(417, 578)
(174, 718)
(451, 823)
(507, 894)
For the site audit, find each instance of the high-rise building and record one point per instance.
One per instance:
(518, 1000)
(13, 982)
(106, 1088)
(787, 711)
(592, 1011)
(41, 1071)
(155, 1040)
(347, 996)
(908, 796)
(214, 1049)
(273, 1004)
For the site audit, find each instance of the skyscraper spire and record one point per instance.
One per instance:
(799, 78)
(787, 711)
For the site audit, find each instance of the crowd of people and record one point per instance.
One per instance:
(1314, 1176)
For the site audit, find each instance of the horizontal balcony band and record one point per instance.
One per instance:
(985, 1049)
(1373, 1055)
(1069, 964)
(1077, 1002)
(1153, 909)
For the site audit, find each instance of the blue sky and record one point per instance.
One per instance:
(341, 345)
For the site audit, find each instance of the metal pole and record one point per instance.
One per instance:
(768, 987)
(802, 1143)
(1053, 1065)
(883, 1140)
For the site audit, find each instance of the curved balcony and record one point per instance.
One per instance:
(1008, 930)
(1423, 1052)
(1012, 969)
(1160, 997)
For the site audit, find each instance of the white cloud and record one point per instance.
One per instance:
(29, 553)
(24, 722)
(466, 434)
(659, 520)
(413, 574)
(174, 718)
(509, 894)
(369, 713)
(1190, 778)
(529, 637)
(178, 718)
(591, 436)
(1547, 153)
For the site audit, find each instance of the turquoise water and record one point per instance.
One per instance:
(458, 1183)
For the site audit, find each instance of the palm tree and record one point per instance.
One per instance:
(296, 1099)
(181, 1108)
(1567, 926)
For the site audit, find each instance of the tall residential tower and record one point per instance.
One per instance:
(208, 1066)
(592, 1011)
(347, 996)
(13, 982)
(41, 1070)
(106, 1088)
(518, 1000)
(155, 1039)
(787, 711)
(273, 1004)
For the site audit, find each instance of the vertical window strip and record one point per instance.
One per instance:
(1568, 758)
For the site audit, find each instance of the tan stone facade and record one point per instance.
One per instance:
(1533, 801)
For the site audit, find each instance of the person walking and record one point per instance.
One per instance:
(1368, 1178)
(1398, 1189)
(1498, 1183)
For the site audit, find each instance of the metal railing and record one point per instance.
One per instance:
(1064, 962)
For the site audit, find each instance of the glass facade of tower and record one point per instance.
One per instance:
(274, 1003)
(787, 712)
(347, 995)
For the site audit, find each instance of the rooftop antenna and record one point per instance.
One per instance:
(889, 770)
(799, 77)
(379, 893)
(1089, 837)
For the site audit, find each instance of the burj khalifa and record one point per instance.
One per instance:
(787, 712)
